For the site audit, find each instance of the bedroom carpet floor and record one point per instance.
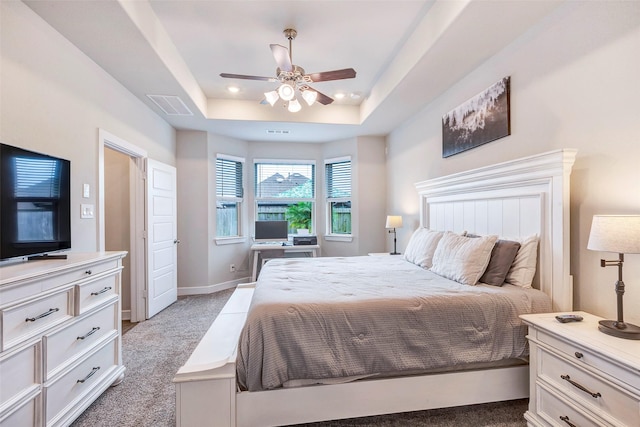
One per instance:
(154, 350)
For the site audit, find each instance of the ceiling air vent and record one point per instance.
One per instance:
(171, 105)
(278, 132)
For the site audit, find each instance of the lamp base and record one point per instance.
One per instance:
(629, 331)
(394, 253)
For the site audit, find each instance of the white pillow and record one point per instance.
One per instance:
(524, 265)
(421, 247)
(462, 259)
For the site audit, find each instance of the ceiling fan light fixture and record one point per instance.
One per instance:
(294, 106)
(271, 97)
(286, 92)
(310, 96)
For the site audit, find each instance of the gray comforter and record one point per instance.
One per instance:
(316, 319)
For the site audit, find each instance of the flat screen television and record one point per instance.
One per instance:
(35, 203)
(271, 231)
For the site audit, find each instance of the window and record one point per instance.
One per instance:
(285, 191)
(338, 192)
(229, 194)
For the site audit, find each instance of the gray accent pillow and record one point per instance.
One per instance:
(502, 256)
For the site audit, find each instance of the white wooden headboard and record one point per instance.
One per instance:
(512, 199)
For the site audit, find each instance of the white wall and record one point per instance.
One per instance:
(203, 265)
(574, 84)
(54, 99)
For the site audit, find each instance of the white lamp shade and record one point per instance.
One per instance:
(271, 97)
(286, 92)
(394, 221)
(310, 96)
(615, 233)
(294, 106)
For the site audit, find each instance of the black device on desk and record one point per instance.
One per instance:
(305, 240)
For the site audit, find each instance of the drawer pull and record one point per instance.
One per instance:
(566, 420)
(580, 386)
(45, 314)
(88, 272)
(91, 332)
(108, 288)
(579, 355)
(93, 371)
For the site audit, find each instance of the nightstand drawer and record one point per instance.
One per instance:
(66, 345)
(589, 390)
(24, 321)
(554, 410)
(584, 356)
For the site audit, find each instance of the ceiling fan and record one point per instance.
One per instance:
(292, 77)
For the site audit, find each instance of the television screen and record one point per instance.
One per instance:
(35, 215)
(271, 231)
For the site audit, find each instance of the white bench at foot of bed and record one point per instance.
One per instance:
(206, 384)
(206, 393)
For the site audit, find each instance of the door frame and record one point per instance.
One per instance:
(137, 255)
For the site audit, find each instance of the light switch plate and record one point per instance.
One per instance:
(86, 191)
(86, 211)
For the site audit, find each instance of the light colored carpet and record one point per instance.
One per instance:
(154, 350)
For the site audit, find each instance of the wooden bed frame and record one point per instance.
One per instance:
(516, 199)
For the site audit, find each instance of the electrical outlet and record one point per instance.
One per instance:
(232, 268)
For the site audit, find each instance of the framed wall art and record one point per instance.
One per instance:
(481, 119)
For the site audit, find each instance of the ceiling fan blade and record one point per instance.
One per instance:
(242, 76)
(281, 55)
(347, 73)
(322, 98)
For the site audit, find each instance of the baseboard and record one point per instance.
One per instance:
(209, 289)
(126, 314)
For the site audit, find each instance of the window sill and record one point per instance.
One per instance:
(338, 237)
(230, 240)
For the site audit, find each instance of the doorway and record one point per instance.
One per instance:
(121, 168)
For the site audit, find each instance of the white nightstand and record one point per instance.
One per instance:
(580, 376)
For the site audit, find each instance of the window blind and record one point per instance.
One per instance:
(229, 178)
(338, 179)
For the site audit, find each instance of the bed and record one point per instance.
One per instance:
(520, 198)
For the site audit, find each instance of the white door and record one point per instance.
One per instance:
(162, 239)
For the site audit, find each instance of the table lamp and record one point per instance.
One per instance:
(394, 221)
(621, 234)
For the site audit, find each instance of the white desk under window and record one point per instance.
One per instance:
(256, 248)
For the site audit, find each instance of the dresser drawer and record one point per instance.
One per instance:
(558, 412)
(78, 382)
(24, 321)
(67, 345)
(31, 287)
(584, 356)
(26, 415)
(589, 390)
(19, 374)
(93, 293)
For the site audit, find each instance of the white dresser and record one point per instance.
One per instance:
(60, 337)
(581, 376)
